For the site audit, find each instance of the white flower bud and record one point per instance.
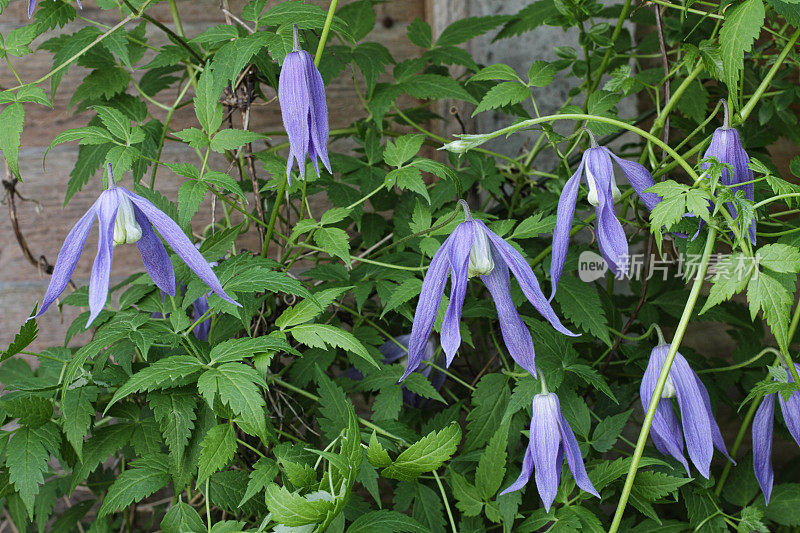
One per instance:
(591, 181)
(480, 256)
(126, 229)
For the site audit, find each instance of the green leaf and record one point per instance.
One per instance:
(217, 449)
(739, 31)
(465, 29)
(385, 521)
(224, 182)
(506, 93)
(175, 412)
(78, 414)
(774, 293)
(653, 486)
(533, 226)
(425, 455)
(751, 520)
(489, 400)
(206, 102)
(24, 337)
(541, 74)
(163, 374)
(402, 149)
(784, 504)
(194, 137)
(291, 509)
(309, 309)
(149, 474)
(231, 139)
(434, 86)
(608, 431)
(408, 177)
(27, 454)
(335, 241)
(115, 122)
(498, 71)
(12, 118)
(264, 471)
(323, 335)
(31, 410)
(732, 273)
(419, 33)
(372, 59)
(360, 18)
(17, 40)
(580, 303)
(779, 258)
(182, 518)
(492, 465)
(237, 349)
(235, 383)
(468, 500)
(190, 195)
(376, 455)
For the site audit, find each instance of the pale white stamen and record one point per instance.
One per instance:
(126, 229)
(592, 182)
(480, 256)
(669, 389)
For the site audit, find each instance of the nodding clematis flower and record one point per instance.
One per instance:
(603, 192)
(301, 94)
(125, 218)
(699, 427)
(726, 147)
(474, 250)
(762, 434)
(32, 6)
(551, 439)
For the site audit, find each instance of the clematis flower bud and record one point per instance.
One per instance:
(480, 256)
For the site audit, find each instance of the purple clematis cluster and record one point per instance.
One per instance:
(551, 440)
(126, 218)
(597, 169)
(301, 93)
(699, 427)
(32, 6)
(474, 250)
(762, 434)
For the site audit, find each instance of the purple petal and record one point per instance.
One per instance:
(458, 254)
(318, 116)
(101, 270)
(516, 335)
(665, 430)
(200, 308)
(610, 235)
(639, 178)
(525, 475)
(295, 102)
(762, 444)
(68, 257)
(430, 296)
(791, 414)
(544, 446)
(180, 243)
(31, 7)
(154, 255)
(392, 351)
(694, 415)
(526, 279)
(573, 454)
(716, 434)
(564, 216)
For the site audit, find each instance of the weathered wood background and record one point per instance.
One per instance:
(43, 220)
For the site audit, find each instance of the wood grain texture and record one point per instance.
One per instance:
(45, 222)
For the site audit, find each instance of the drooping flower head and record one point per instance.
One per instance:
(597, 169)
(726, 147)
(301, 94)
(474, 250)
(125, 218)
(699, 427)
(762, 434)
(551, 439)
(32, 6)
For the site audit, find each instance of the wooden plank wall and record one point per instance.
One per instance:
(43, 220)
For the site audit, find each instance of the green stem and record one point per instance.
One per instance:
(446, 503)
(614, 36)
(273, 216)
(662, 379)
(325, 30)
(740, 365)
(751, 104)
